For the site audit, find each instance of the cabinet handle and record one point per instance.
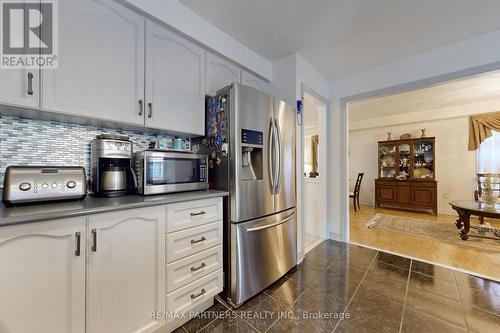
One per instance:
(141, 107)
(94, 240)
(202, 292)
(30, 83)
(200, 213)
(198, 240)
(194, 269)
(150, 114)
(78, 239)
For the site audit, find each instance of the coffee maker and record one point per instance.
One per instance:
(111, 165)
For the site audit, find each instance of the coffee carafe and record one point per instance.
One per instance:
(112, 173)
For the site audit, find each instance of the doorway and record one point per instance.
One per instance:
(313, 169)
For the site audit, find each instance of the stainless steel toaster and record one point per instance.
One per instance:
(33, 184)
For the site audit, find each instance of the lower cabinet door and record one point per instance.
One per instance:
(42, 277)
(423, 197)
(387, 193)
(404, 195)
(126, 271)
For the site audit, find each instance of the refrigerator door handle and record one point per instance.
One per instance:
(277, 151)
(270, 156)
(285, 220)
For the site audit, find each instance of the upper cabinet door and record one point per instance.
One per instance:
(19, 87)
(42, 273)
(255, 82)
(175, 82)
(126, 271)
(220, 73)
(101, 62)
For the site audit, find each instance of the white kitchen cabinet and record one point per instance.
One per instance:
(42, 277)
(126, 270)
(220, 73)
(175, 82)
(101, 63)
(19, 87)
(251, 80)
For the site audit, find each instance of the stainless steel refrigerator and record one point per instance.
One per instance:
(251, 143)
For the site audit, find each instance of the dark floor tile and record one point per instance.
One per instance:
(266, 307)
(433, 285)
(344, 273)
(179, 330)
(312, 303)
(229, 325)
(287, 290)
(317, 261)
(480, 298)
(471, 281)
(304, 275)
(394, 260)
(388, 272)
(480, 321)
(357, 256)
(294, 324)
(435, 305)
(337, 289)
(364, 324)
(370, 310)
(329, 248)
(394, 289)
(432, 270)
(204, 318)
(419, 322)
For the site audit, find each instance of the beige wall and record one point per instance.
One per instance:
(455, 165)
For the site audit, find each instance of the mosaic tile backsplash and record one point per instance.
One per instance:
(52, 143)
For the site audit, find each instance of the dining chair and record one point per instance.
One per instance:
(355, 194)
(494, 183)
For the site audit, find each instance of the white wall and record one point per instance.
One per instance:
(455, 165)
(183, 19)
(472, 55)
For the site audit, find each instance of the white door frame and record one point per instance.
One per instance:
(344, 120)
(324, 143)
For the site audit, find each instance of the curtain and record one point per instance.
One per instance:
(480, 128)
(488, 155)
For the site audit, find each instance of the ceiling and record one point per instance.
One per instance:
(341, 37)
(477, 89)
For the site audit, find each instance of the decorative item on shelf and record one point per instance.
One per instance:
(489, 195)
(389, 136)
(423, 133)
(405, 136)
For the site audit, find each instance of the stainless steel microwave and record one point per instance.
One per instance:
(167, 171)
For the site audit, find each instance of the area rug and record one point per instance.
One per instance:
(443, 232)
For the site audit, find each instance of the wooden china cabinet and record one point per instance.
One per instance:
(406, 174)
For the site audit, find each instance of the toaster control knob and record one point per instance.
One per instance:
(71, 184)
(24, 186)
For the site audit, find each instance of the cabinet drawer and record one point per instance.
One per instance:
(186, 298)
(190, 214)
(183, 243)
(189, 269)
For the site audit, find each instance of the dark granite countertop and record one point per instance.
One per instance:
(91, 205)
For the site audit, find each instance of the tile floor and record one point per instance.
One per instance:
(373, 291)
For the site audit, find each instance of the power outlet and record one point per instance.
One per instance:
(446, 196)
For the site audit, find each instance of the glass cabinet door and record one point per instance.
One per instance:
(387, 160)
(423, 160)
(404, 161)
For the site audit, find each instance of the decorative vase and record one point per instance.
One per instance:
(423, 133)
(389, 136)
(488, 195)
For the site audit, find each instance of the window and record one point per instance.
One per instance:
(488, 154)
